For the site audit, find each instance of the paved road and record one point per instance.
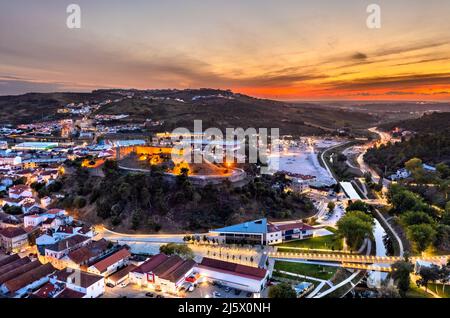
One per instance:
(142, 238)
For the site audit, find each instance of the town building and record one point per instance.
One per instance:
(261, 232)
(42, 146)
(20, 191)
(12, 239)
(110, 263)
(162, 272)
(242, 277)
(24, 280)
(90, 285)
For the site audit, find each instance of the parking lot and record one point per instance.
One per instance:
(204, 290)
(207, 290)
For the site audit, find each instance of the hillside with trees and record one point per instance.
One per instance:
(147, 203)
(179, 108)
(430, 148)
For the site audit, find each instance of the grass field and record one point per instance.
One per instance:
(313, 270)
(329, 242)
(416, 292)
(437, 288)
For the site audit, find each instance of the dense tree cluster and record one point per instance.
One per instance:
(430, 148)
(146, 201)
(181, 250)
(425, 225)
(355, 226)
(282, 290)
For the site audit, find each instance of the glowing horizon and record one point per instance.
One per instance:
(289, 50)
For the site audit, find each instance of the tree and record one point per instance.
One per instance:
(428, 274)
(403, 200)
(421, 235)
(12, 210)
(136, 219)
(443, 170)
(282, 290)
(446, 214)
(416, 217)
(413, 164)
(401, 271)
(354, 226)
(79, 202)
(444, 276)
(181, 250)
(358, 205)
(331, 206)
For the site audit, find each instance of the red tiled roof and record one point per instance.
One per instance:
(168, 266)
(85, 253)
(233, 268)
(9, 259)
(177, 273)
(70, 293)
(11, 266)
(47, 290)
(103, 265)
(122, 273)
(150, 264)
(27, 278)
(293, 226)
(19, 271)
(68, 243)
(65, 229)
(17, 189)
(11, 232)
(83, 279)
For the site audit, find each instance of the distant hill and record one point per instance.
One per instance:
(431, 143)
(32, 107)
(179, 108)
(223, 109)
(428, 123)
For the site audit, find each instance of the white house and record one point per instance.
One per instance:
(162, 272)
(242, 277)
(20, 191)
(111, 263)
(92, 286)
(13, 238)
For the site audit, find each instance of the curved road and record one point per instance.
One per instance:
(364, 167)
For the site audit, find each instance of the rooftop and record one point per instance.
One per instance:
(233, 268)
(83, 279)
(103, 265)
(250, 227)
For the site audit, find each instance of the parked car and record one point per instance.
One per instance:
(237, 292)
(151, 295)
(159, 296)
(248, 295)
(217, 295)
(227, 289)
(110, 285)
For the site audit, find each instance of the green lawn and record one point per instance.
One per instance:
(437, 288)
(317, 271)
(416, 292)
(330, 242)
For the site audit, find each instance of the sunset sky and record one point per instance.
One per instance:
(280, 49)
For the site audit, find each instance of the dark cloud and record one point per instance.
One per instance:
(17, 87)
(424, 61)
(410, 80)
(359, 56)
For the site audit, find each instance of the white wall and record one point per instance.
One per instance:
(234, 281)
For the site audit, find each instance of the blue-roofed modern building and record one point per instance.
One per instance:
(261, 232)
